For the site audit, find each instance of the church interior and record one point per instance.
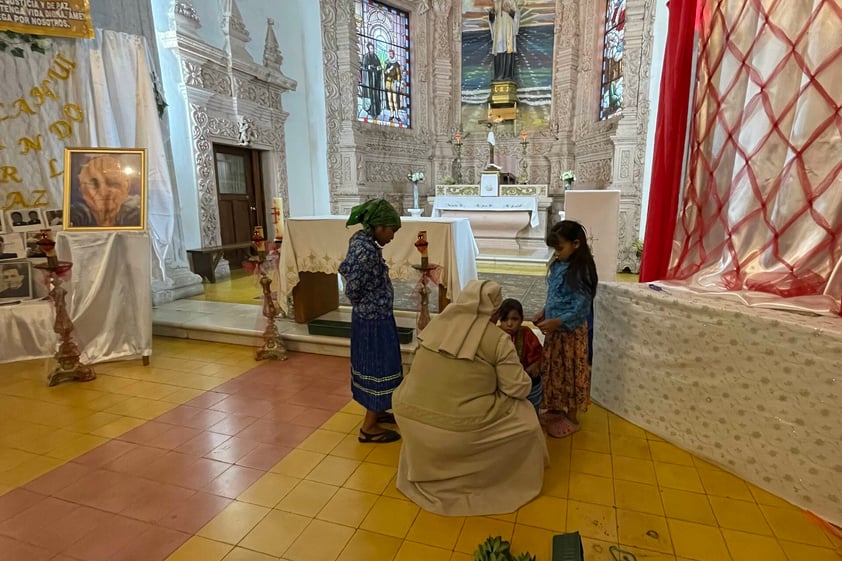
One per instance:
(235, 234)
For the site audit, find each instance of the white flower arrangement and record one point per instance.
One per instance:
(416, 176)
(568, 176)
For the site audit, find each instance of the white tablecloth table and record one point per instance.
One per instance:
(490, 204)
(756, 391)
(109, 300)
(318, 244)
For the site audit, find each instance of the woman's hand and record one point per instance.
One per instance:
(549, 325)
(538, 318)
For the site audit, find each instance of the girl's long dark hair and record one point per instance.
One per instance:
(581, 273)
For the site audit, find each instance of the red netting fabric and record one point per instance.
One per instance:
(762, 203)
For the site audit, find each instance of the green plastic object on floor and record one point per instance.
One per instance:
(568, 547)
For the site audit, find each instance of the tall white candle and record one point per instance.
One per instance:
(278, 212)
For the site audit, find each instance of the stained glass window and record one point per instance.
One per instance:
(611, 92)
(383, 92)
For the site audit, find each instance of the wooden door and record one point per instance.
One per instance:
(240, 194)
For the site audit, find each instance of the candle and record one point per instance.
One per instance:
(523, 135)
(458, 138)
(278, 215)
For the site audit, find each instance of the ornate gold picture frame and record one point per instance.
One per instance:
(104, 189)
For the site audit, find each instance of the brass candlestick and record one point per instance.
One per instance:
(524, 174)
(424, 313)
(273, 347)
(457, 164)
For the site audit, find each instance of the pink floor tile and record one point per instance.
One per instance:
(278, 433)
(60, 478)
(62, 535)
(136, 461)
(155, 544)
(232, 450)
(158, 501)
(318, 401)
(196, 511)
(286, 412)
(18, 500)
(175, 437)
(205, 419)
(186, 471)
(32, 522)
(105, 453)
(103, 542)
(243, 406)
(202, 443)
(233, 424)
(13, 550)
(180, 415)
(106, 490)
(208, 398)
(313, 418)
(264, 457)
(233, 481)
(146, 434)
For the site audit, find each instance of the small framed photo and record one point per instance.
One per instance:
(11, 246)
(15, 281)
(489, 184)
(24, 220)
(104, 189)
(54, 219)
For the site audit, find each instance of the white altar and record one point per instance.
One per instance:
(599, 212)
(109, 299)
(511, 223)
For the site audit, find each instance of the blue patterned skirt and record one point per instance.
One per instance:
(376, 369)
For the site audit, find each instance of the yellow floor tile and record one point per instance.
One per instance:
(241, 554)
(320, 541)
(631, 447)
(594, 420)
(371, 478)
(595, 521)
(764, 497)
(619, 426)
(333, 470)
(739, 515)
(683, 478)
(792, 525)
(435, 530)
(411, 551)
(348, 507)
(76, 446)
(458, 556)
(598, 550)
(322, 441)
(691, 507)
(801, 552)
(343, 422)
(536, 541)
(591, 489)
(477, 529)
(234, 522)
(392, 490)
(592, 441)
(593, 463)
(30, 469)
(275, 533)
(626, 551)
(385, 454)
(748, 547)
(632, 469)
(556, 481)
(200, 549)
(645, 531)
(549, 513)
(696, 541)
(392, 517)
(350, 447)
(667, 453)
(638, 497)
(724, 484)
(298, 463)
(308, 498)
(118, 427)
(368, 546)
(269, 489)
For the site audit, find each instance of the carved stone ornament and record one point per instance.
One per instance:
(272, 57)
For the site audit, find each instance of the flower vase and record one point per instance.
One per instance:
(416, 209)
(568, 185)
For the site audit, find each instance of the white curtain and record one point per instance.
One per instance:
(762, 210)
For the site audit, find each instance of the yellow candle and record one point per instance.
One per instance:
(278, 214)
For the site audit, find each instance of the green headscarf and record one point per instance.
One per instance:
(376, 212)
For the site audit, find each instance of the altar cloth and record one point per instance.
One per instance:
(491, 204)
(317, 244)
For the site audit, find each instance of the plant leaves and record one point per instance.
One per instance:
(36, 48)
(3, 46)
(17, 51)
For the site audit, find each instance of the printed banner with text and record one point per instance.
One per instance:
(45, 17)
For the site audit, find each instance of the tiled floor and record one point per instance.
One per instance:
(203, 457)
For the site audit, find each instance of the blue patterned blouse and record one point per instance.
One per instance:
(569, 305)
(367, 282)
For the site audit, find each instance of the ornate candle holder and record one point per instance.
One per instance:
(524, 175)
(67, 356)
(457, 164)
(273, 347)
(423, 292)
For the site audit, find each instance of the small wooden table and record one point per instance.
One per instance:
(203, 261)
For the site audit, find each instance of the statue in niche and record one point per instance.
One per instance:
(504, 21)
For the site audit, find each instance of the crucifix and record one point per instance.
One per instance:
(492, 141)
(275, 214)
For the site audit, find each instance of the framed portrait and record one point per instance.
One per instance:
(104, 189)
(489, 184)
(54, 219)
(15, 281)
(11, 246)
(24, 220)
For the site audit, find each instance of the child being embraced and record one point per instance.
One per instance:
(571, 288)
(527, 344)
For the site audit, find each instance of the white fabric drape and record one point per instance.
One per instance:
(761, 215)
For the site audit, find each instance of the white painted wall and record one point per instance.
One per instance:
(658, 46)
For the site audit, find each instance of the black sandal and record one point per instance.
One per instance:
(386, 419)
(379, 438)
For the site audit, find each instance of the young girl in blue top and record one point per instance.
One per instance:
(571, 287)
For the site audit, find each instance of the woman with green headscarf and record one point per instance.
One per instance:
(376, 368)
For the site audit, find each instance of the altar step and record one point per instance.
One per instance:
(243, 324)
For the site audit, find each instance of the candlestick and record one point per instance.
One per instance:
(273, 347)
(278, 215)
(524, 174)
